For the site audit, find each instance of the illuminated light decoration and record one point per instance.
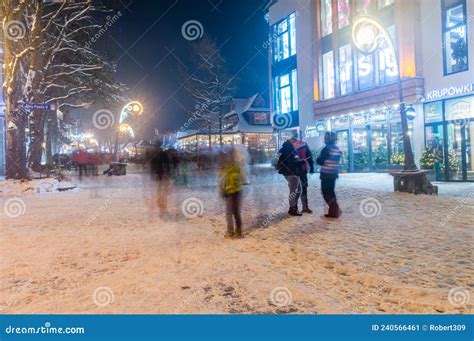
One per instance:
(126, 129)
(369, 35)
(133, 108)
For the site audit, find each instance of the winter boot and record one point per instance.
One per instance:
(294, 211)
(306, 209)
(334, 211)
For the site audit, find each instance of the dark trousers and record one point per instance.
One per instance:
(82, 168)
(232, 202)
(304, 189)
(328, 190)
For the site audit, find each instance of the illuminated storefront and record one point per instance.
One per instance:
(198, 142)
(449, 133)
(370, 141)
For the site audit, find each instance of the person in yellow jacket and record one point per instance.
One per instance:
(230, 185)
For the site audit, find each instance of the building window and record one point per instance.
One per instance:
(326, 17)
(365, 65)
(260, 118)
(388, 70)
(328, 74)
(363, 6)
(284, 35)
(294, 86)
(454, 36)
(384, 3)
(343, 13)
(345, 69)
(286, 93)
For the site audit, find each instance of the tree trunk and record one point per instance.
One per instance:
(16, 153)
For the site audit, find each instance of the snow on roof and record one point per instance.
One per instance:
(242, 105)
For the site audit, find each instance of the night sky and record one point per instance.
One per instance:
(147, 44)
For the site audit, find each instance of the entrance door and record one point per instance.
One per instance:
(460, 153)
(343, 143)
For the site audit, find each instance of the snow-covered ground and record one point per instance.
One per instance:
(106, 248)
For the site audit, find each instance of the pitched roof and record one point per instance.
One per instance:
(242, 105)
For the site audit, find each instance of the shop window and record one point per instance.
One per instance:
(454, 36)
(460, 109)
(435, 145)
(286, 99)
(366, 71)
(384, 3)
(343, 13)
(284, 38)
(378, 138)
(326, 17)
(345, 69)
(328, 74)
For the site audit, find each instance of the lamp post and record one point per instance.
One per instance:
(133, 108)
(369, 36)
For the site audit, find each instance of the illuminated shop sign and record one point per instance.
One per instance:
(460, 109)
(450, 91)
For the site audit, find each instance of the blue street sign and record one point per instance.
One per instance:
(38, 106)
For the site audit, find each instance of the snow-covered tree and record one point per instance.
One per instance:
(208, 84)
(52, 62)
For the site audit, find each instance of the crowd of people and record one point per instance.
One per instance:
(295, 162)
(87, 163)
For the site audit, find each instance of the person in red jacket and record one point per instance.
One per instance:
(82, 160)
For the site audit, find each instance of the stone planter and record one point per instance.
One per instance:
(430, 174)
(394, 168)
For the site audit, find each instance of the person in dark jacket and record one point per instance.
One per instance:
(291, 167)
(307, 166)
(329, 161)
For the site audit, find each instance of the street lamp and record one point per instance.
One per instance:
(126, 129)
(133, 108)
(369, 35)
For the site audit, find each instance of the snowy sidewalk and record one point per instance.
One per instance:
(104, 248)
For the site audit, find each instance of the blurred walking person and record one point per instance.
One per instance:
(82, 160)
(230, 184)
(329, 159)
